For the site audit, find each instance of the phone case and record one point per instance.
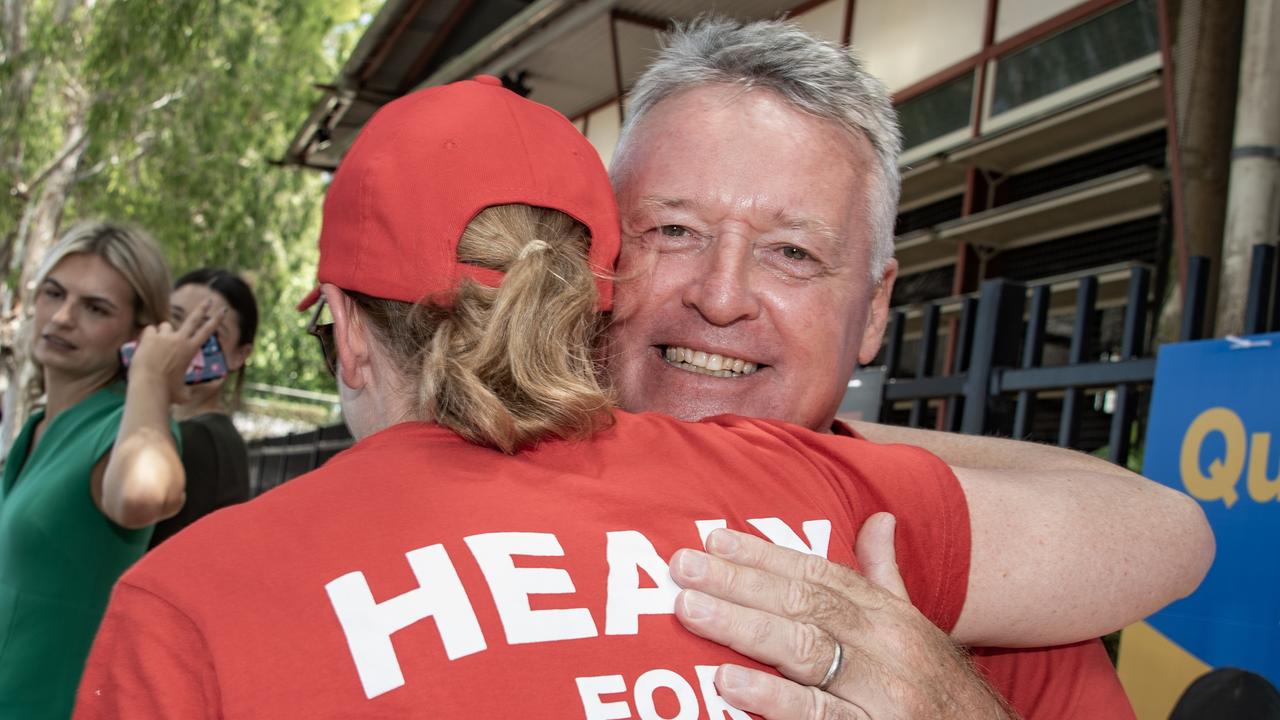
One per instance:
(208, 364)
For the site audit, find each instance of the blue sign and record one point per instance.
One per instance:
(1215, 433)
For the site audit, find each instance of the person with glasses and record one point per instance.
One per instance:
(501, 540)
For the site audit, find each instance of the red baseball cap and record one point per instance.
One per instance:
(426, 164)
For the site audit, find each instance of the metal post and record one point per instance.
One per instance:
(924, 366)
(1261, 276)
(1086, 297)
(1275, 299)
(897, 323)
(892, 351)
(1032, 354)
(963, 345)
(1193, 304)
(1135, 333)
(995, 345)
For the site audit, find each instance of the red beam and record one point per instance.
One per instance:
(846, 36)
(389, 42)
(804, 7)
(446, 28)
(1173, 146)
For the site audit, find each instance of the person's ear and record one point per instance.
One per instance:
(350, 338)
(238, 356)
(878, 314)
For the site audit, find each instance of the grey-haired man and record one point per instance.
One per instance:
(757, 181)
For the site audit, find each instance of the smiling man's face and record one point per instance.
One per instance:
(745, 285)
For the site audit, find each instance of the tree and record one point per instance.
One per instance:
(165, 113)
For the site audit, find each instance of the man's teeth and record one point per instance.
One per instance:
(708, 363)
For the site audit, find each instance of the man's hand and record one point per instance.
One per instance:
(788, 609)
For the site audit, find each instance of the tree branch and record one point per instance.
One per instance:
(24, 189)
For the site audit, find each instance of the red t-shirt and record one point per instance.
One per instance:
(1066, 682)
(417, 575)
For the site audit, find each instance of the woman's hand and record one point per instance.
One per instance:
(142, 480)
(165, 352)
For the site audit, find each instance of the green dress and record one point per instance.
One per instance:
(59, 556)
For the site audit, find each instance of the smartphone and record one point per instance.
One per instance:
(208, 364)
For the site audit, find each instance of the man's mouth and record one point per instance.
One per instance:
(705, 363)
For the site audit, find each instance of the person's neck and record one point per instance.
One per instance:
(209, 405)
(63, 392)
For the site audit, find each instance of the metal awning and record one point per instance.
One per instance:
(574, 55)
(1132, 109)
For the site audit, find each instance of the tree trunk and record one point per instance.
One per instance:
(36, 234)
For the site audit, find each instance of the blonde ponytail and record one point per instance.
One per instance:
(510, 365)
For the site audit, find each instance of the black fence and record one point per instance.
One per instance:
(997, 381)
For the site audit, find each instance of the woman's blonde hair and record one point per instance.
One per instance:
(506, 366)
(131, 252)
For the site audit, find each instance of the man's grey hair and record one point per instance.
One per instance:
(815, 76)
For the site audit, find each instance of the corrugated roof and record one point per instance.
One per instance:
(564, 48)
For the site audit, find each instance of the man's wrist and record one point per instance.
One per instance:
(974, 698)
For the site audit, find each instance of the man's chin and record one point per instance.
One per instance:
(682, 404)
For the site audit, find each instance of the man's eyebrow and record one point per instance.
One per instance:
(781, 217)
(808, 225)
(658, 202)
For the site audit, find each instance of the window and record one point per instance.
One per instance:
(936, 113)
(1105, 42)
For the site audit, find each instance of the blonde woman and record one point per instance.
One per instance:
(500, 541)
(96, 467)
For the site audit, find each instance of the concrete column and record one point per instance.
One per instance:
(1253, 203)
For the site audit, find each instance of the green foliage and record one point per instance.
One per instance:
(191, 101)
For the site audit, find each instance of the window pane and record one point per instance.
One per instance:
(937, 112)
(1116, 37)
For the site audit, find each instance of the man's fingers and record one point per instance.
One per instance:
(800, 651)
(876, 554)
(762, 590)
(750, 551)
(776, 698)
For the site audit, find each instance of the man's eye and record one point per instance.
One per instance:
(792, 252)
(674, 231)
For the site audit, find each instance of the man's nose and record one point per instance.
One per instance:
(723, 292)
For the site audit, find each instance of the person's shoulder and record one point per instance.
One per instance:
(732, 435)
(213, 430)
(846, 449)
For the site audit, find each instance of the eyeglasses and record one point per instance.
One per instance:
(324, 333)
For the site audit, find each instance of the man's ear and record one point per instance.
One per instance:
(350, 337)
(878, 314)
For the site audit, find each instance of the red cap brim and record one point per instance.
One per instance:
(310, 299)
